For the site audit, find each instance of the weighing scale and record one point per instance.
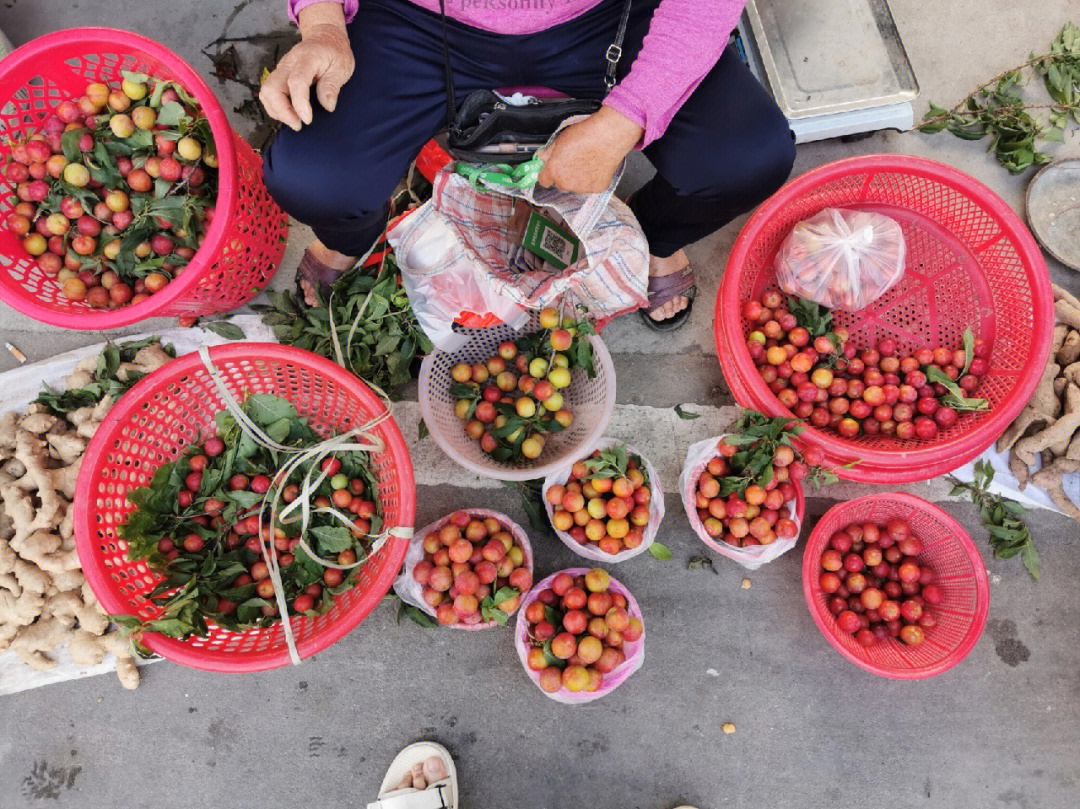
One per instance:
(836, 69)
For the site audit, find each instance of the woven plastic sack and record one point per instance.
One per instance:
(635, 652)
(753, 557)
(412, 592)
(656, 507)
(843, 259)
(456, 254)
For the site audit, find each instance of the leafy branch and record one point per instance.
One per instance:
(1003, 518)
(997, 108)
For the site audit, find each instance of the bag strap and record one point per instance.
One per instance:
(614, 51)
(612, 57)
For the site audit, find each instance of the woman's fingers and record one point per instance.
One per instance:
(300, 80)
(274, 95)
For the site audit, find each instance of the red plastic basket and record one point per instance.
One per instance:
(970, 262)
(960, 571)
(158, 418)
(244, 242)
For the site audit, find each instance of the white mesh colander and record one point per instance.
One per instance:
(590, 400)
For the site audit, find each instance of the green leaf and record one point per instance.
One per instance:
(416, 615)
(421, 430)
(1053, 133)
(172, 114)
(1030, 558)
(660, 551)
(969, 349)
(265, 408)
(685, 414)
(332, 539)
(550, 658)
(69, 143)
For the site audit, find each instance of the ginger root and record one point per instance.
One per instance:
(1056, 437)
(45, 602)
(1047, 431)
(1049, 480)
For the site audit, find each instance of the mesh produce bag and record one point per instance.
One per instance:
(842, 259)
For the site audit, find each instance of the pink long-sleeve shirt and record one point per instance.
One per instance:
(685, 39)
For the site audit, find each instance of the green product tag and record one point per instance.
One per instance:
(549, 241)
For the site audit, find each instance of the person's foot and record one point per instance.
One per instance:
(328, 262)
(658, 268)
(430, 771)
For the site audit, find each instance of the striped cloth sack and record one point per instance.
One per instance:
(455, 252)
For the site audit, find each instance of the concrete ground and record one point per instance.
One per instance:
(1000, 730)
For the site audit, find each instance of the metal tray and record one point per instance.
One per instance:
(1053, 210)
(824, 58)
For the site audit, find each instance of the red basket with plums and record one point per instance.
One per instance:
(233, 258)
(971, 264)
(158, 419)
(896, 585)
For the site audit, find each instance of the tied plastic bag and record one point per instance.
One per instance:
(411, 591)
(842, 259)
(460, 253)
(754, 556)
(635, 651)
(652, 528)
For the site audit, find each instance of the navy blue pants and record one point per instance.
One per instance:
(727, 149)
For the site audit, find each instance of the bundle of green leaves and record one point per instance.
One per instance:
(217, 575)
(367, 317)
(1000, 108)
(106, 382)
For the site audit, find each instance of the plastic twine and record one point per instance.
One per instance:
(315, 454)
(521, 176)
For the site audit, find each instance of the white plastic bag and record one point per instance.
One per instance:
(656, 509)
(842, 259)
(412, 592)
(752, 557)
(458, 254)
(439, 296)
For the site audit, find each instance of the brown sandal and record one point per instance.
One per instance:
(319, 275)
(663, 289)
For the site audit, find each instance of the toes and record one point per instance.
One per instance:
(435, 769)
(405, 782)
(663, 313)
(418, 780)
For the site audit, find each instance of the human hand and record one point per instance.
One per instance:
(323, 57)
(584, 157)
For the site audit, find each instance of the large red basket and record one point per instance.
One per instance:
(970, 262)
(946, 548)
(159, 418)
(244, 242)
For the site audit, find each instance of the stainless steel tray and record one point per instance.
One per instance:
(836, 56)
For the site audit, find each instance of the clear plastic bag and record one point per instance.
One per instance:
(842, 259)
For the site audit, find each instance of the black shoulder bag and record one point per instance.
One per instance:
(486, 129)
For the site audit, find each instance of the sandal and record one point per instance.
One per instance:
(438, 795)
(663, 289)
(317, 274)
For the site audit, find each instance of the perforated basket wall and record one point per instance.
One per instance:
(245, 241)
(960, 572)
(590, 400)
(970, 262)
(163, 414)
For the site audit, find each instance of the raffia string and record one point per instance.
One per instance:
(367, 442)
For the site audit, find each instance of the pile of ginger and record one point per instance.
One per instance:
(1044, 440)
(45, 602)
